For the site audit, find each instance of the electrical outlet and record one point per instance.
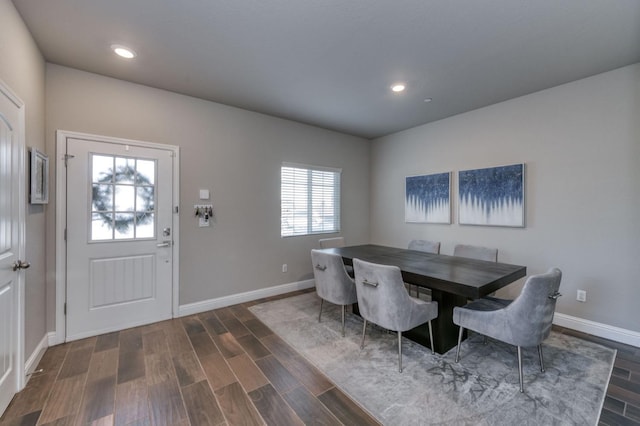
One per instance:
(285, 268)
(581, 296)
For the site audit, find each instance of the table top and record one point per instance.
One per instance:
(461, 276)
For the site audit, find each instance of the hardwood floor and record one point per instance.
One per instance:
(622, 403)
(216, 368)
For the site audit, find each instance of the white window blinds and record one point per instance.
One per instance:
(310, 200)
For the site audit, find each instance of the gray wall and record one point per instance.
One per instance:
(581, 145)
(234, 153)
(22, 68)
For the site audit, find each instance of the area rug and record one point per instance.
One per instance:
(482, 389)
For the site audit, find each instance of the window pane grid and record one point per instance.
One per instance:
(123, 198)
(310, 201)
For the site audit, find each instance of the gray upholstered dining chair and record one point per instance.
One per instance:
(476, 252)
(333, 284)
(523, 322)
(427, 247)
(383, 300)
(331, 242)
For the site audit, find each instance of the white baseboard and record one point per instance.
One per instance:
(234, 299)
(32, 362)
(610, 332)
(55, 338)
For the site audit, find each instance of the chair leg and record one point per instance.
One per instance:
(400, 351)
(343, 309)
(433, 351)
(459, 341)
(541, 358)
(520, 368)
(364, 329)
(320, 314)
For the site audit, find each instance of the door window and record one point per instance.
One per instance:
(122, 198)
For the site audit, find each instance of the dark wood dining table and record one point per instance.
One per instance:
(452, 281)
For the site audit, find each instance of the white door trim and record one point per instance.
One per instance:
(61, 216)
(22, 231)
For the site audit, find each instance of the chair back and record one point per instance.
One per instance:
(332, 281)
(530, 315)
(476, 252)
(382, 297)
(331, 242)
(425, 246)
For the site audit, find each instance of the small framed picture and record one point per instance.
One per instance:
(39, 178)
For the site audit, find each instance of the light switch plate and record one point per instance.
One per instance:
(204, 194)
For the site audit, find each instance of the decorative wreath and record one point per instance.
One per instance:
(103, 196)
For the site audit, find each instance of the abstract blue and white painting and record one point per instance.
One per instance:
(492, 196)
(428, 198)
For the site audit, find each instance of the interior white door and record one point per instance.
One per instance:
(119, 236)
(12, 201)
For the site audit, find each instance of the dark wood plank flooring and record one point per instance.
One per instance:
(222, 367)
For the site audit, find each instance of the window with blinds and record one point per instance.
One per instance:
(310, 200)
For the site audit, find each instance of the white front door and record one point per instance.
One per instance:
(119, 236)
(12, 201)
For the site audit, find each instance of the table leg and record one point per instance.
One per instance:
(445, 332)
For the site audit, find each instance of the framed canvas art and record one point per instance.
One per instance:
(428, 198)
(493, 196)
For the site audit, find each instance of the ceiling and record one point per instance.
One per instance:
(330, 63)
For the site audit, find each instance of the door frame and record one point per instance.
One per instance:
(20, 367)
(61, 220)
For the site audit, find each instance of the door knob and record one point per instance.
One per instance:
(20, 264)
(164, 244)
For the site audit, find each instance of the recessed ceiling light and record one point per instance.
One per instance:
(428, 100)
(398, 87)
(123, 51)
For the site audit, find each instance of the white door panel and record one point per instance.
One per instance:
(12, 220)
(121, 280)
(7, 351)
(119, 260)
